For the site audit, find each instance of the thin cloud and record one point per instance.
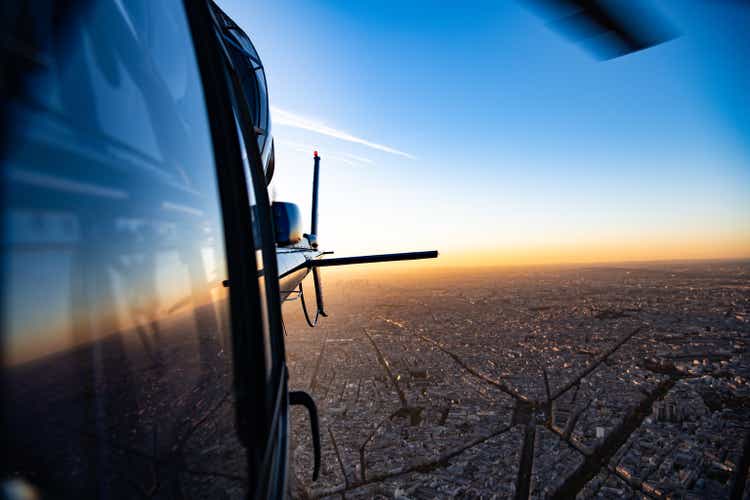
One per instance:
(358, 158)
(346, 161)
(282, 117)
(346, 158)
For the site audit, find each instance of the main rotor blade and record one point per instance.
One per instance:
(607, 28)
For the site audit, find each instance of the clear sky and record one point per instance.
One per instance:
(472, 128)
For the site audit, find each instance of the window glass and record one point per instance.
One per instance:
(253, 81)
(240, 38)
(263, 98)
(116, 339)
(260, 254)
(264, 254)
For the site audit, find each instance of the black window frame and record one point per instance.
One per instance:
(261, 408)
(253, 69)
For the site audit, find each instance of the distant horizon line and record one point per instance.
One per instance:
(437, 266)
(684, 260)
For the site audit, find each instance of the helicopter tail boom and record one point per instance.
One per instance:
(369, 259)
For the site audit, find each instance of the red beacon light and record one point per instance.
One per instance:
(315, 154)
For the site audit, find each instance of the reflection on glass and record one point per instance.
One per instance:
(116, 329)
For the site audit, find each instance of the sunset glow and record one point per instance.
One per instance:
(526, 151)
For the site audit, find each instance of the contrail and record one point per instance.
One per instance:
(283, 117)
(349, 159)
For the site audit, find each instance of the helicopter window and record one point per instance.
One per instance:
(253, 81)
(249, 86)
(239, 37)
(269, 406)
(116, 335)
(263, 98)
(270, 345)
(265, 256)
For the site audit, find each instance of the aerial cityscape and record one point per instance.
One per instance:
(622, 381)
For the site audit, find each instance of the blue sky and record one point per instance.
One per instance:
(473, 128)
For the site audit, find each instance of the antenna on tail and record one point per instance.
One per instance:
(313, 236)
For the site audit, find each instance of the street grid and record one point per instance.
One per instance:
(626, 382)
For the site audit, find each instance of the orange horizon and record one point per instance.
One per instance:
(566, 255)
